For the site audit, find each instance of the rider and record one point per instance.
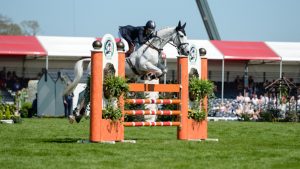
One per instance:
(139, 34)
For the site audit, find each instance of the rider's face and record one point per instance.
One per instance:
(149, 31)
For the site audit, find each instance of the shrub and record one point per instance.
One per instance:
(8, 113)
(113, 88)
(270, 115)
(25, 109)
(291, 116)
(112, 113)
(265, 116)
(198, 90)
(245, 117)
(1, 115)
(16, 119)
(197, 114)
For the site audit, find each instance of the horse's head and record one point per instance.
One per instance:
(180, 40)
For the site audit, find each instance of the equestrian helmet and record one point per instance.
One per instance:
(150, 25)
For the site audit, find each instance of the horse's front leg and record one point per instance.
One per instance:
(154, 71)
(163, 68)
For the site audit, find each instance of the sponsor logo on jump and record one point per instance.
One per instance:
(193, 55)
(108, 48)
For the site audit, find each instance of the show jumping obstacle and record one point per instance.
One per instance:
(103, 130)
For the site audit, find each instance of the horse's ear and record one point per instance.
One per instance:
(183, 26)
(179, 24)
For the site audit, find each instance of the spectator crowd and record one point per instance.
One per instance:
(10, 81)
(254, 99)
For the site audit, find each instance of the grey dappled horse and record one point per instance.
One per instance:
(145, 62)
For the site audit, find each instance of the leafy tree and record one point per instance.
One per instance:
(7, 27)
(30, 27)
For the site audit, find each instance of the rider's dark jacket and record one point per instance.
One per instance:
(134, 34)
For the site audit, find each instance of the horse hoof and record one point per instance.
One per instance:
(152, 77)
(144, 77)
(71, 119)
(82, 112)
(78, 118)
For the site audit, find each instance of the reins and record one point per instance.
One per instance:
(159, 50)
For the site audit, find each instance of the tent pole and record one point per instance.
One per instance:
(47, 62)
(246, 82)
(222, 94)
(280, 70)
(280, 77)
(23, 66)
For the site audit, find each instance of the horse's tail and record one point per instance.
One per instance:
(78, 72)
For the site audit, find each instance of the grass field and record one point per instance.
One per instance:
(52, 143)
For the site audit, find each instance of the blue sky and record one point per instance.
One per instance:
(245, 20)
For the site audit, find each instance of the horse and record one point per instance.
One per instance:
(145, 62)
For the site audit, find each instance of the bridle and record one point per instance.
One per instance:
(149, 44)
(179, 47)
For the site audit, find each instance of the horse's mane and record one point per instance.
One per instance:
(164, 29)
(172, 28)
(168, 27)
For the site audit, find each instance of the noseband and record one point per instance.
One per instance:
(181, 46)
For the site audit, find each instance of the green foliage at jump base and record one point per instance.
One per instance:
(113, 88)
(198, 90)
(7, 112)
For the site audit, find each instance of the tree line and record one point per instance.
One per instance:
(27, 27)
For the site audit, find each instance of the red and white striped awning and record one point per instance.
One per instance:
(20, 46)
(238, 50)
(216, 50)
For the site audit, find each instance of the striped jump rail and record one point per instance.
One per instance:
(140, 124)
(152, 112)
(153, 101)
(140, 87)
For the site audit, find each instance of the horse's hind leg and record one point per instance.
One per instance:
(81, 111)
(77, 112)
